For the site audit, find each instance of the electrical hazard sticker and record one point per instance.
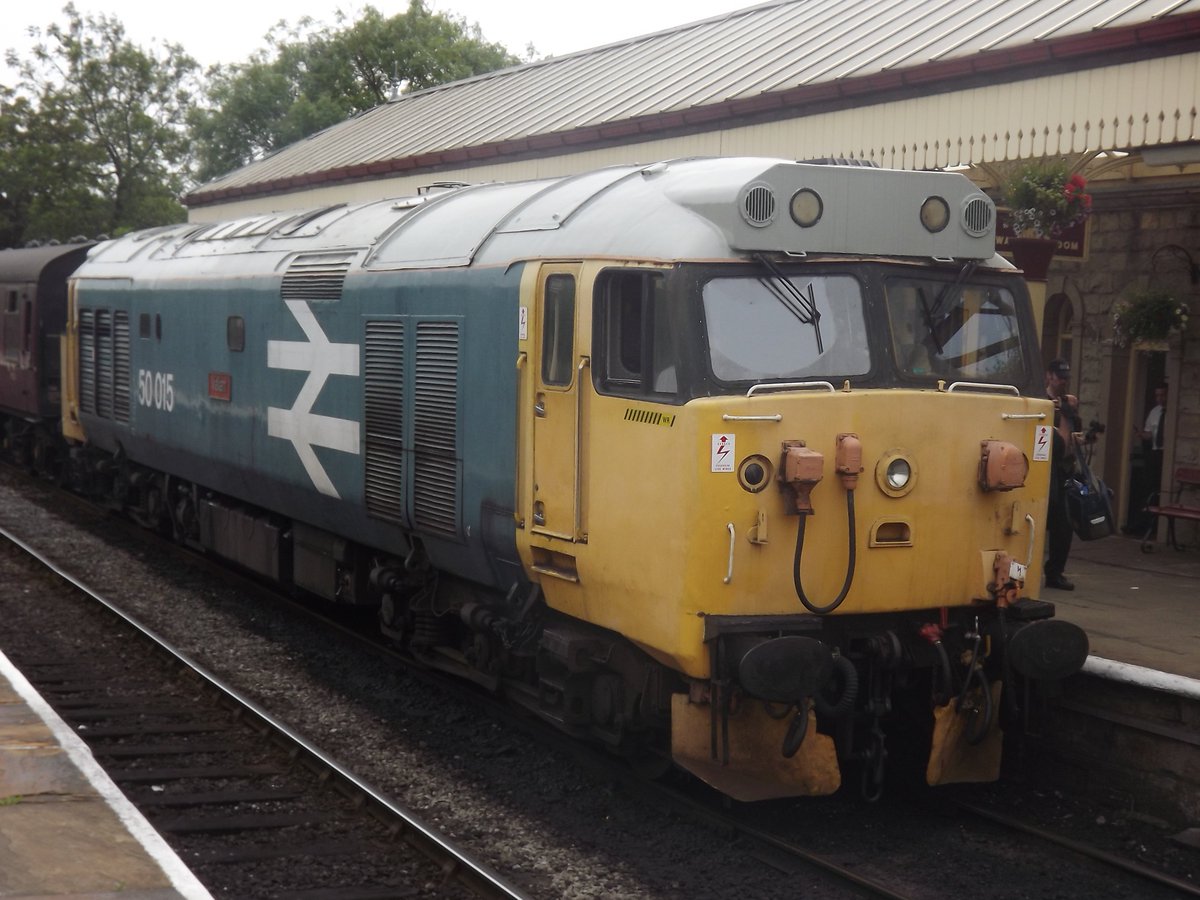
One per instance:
(1041, 443)
(722, 452)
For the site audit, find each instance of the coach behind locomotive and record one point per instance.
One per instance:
(571, 437)
(33, 316)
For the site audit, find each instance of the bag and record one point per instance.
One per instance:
(1089, 503)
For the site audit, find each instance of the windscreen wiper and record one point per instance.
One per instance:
(801, 305)
(934, 317)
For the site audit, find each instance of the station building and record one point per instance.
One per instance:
(1110, 86)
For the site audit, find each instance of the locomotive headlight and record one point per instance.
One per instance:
(935, 214)
(896, 473)
(806, 207)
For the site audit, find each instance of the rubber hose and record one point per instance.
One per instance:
(844, 680)
(808, 604)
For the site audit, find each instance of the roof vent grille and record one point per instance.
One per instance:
(316, 277)
(758, 205)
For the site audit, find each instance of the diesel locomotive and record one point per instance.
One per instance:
(736, 463)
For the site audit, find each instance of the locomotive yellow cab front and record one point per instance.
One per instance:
(812, 482)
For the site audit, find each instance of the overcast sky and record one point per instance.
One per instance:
(230, 30)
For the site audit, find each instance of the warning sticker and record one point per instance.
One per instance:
(722, 452)
(1041, 443)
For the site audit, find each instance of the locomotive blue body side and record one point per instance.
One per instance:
(311, 406)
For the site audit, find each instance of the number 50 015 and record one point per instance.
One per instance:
(156, 389)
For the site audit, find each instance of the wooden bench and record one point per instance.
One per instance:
(1182, 503)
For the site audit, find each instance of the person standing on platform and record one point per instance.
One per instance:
(1067, 427)
(1152, 439)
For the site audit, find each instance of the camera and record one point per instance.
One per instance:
(1094, 429)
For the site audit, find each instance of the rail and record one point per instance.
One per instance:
(457, 865)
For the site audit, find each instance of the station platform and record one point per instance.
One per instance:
(66, 830)
(1139, 609)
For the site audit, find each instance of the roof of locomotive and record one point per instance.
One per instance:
(702, 209)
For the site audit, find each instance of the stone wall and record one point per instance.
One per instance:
(1132, 247)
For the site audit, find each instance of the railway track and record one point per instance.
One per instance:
(876, 853)
(847, 850)
(249, 805)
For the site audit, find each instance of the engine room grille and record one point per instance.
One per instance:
(411, 415)
(87, 361)
(317, 277)
(383, 369)
(435, 428)
(120, 376)
(104, 363)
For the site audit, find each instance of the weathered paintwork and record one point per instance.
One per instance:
(312, 467)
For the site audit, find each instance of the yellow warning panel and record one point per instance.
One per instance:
(952, 758)
(757, 768)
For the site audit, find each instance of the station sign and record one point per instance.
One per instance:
(1072, 243)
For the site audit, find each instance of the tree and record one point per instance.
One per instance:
(96, 142)
(318, 76)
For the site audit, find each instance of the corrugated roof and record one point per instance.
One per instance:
(777, 60)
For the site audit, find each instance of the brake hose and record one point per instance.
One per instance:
(808, 604)
(975, 673)
(844, 681)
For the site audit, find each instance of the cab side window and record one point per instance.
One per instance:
(638, 345)
(558, 331)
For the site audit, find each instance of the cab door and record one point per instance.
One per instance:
(558, 370)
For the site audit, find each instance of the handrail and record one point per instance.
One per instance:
(522, 358)
(732, 536)
(980, 385)
(789, 385)
(584, 362)
(1032, 534)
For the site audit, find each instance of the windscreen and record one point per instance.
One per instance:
(785, 328)
(954, 331)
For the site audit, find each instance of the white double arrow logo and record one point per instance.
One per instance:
(300, 424)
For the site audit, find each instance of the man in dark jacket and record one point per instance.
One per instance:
(1067, 428)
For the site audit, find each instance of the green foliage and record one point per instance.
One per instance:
(1045, 199)
(1148, 315)
(103, 137)
(95, 142)
(318, 76)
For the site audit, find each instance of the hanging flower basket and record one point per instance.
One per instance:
(1045, 199)
(1148, 316)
